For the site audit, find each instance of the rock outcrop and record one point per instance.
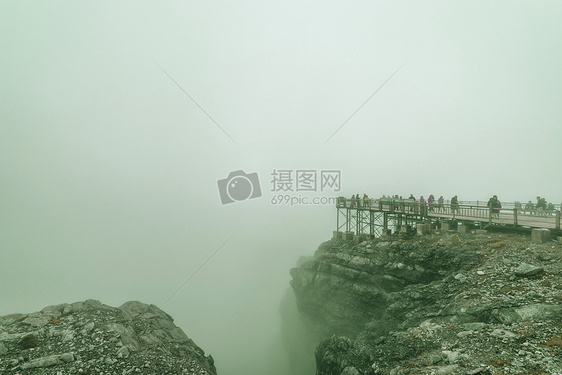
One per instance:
(438, 304)
(92, 338)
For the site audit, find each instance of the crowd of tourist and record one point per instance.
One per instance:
(542, 207)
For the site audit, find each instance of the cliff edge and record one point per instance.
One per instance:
(444, 303)
(92, 338)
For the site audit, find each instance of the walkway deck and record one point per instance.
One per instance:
(374, 215)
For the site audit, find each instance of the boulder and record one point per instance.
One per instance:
(527, 270)
(90, 337)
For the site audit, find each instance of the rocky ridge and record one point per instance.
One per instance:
(444, 303)
(92, 338)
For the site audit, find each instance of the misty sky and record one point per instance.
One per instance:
(109, 170)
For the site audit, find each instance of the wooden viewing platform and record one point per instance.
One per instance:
(373, 216)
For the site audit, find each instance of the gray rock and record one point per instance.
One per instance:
(123, 352)
(67, 357)
(55, 311)
(37, 320)
(29, 341)
(474, 326)
(435, 359)
(502, 333)
(460, 277)
(67, 335)
(464, 334)
(67, 309)
(100, 333)
(110, 361)
(51, 360)
(527, 270)
(350, 371)
(476, 371)
(446, 370)
(517, 363)
(87, 328)
(538, 311)
(453, 356)
(336, 354)
(385, 301)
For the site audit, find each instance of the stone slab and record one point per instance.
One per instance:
(423, 229)
(348, 236)
(405, 229)
(466, 228)
(540, 235)
(448, 226)
(386, 232)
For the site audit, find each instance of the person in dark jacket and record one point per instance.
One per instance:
(454, 204)
(494, 205)
(541, 206)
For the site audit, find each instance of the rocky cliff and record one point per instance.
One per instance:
(443, 303)
(92, 338)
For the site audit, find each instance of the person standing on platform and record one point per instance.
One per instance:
(430, 202)
(494, 206)
(395, 202)
(411, 201)
(454, 204)
(538, 205)
(423, 207)
(541, 206)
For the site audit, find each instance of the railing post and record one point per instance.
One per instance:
(515, 216)
(557, 220)
(338, 218)
(490, 215)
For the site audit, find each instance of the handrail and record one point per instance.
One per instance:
(465, 210)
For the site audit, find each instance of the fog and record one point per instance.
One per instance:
(117, 119)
